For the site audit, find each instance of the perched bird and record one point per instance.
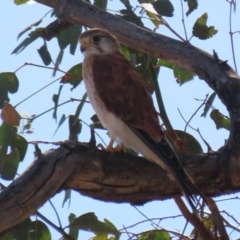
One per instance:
(125, 107)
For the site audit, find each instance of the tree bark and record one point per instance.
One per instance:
(121, 177)
(107, 177)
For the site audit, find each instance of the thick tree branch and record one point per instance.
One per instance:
(108, 177)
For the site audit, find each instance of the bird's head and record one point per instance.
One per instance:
(97, 42)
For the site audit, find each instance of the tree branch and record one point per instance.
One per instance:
(108, 177)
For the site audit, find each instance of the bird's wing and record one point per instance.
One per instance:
(124, 93)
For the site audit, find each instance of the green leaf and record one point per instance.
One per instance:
(32, 36)
(101, 3)
(130, 16)
(75, 127)
(19, 2)
(182, 76)
(44, 54)
(7, 236)
(58, 61)
(69, 36)
(89, 222)
(73, 76)
(208, 104)
(8, 83)
(21, 231)
(75, 31)
(6, 134)
(9, 167)
(190, 142)
(201, 30)
(62, 120)
(220, 120)
(20, 143)
(55, 99)
(97, 123)
(39, 231)
(67, 197)
(80, 106)
(192, 5)
(73, 231)
(152, 14)
(164, 7)
(34, 24)
(126, 52)
(155, 235)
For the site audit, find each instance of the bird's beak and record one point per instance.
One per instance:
(82, 48)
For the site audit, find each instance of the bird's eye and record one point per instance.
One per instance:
(96, 39)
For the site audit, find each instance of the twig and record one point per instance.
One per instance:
(217, 218)
(59, 221)
(195, 113)
(37, 91)
(59, 229)
(183, 21)
(231, 36)
(198, 131)
(193, 219)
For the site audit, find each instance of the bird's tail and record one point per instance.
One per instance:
(164, 155)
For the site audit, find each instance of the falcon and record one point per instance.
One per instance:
(125, 108)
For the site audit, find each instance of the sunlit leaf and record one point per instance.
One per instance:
(9, 115)
(201, 30)
(126, 52)
(155, 235)
(39, 231)
(220, 120)
(182, 75)
(32, 36)
(73, 76)
(192, 5)
(163, 7)
(191, 143)
(89, 222)
(20, 143)
(152, 14)
(208, 104)
(44, 54)
(8, 83)
(19, 2)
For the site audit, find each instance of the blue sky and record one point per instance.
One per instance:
(14, 18)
